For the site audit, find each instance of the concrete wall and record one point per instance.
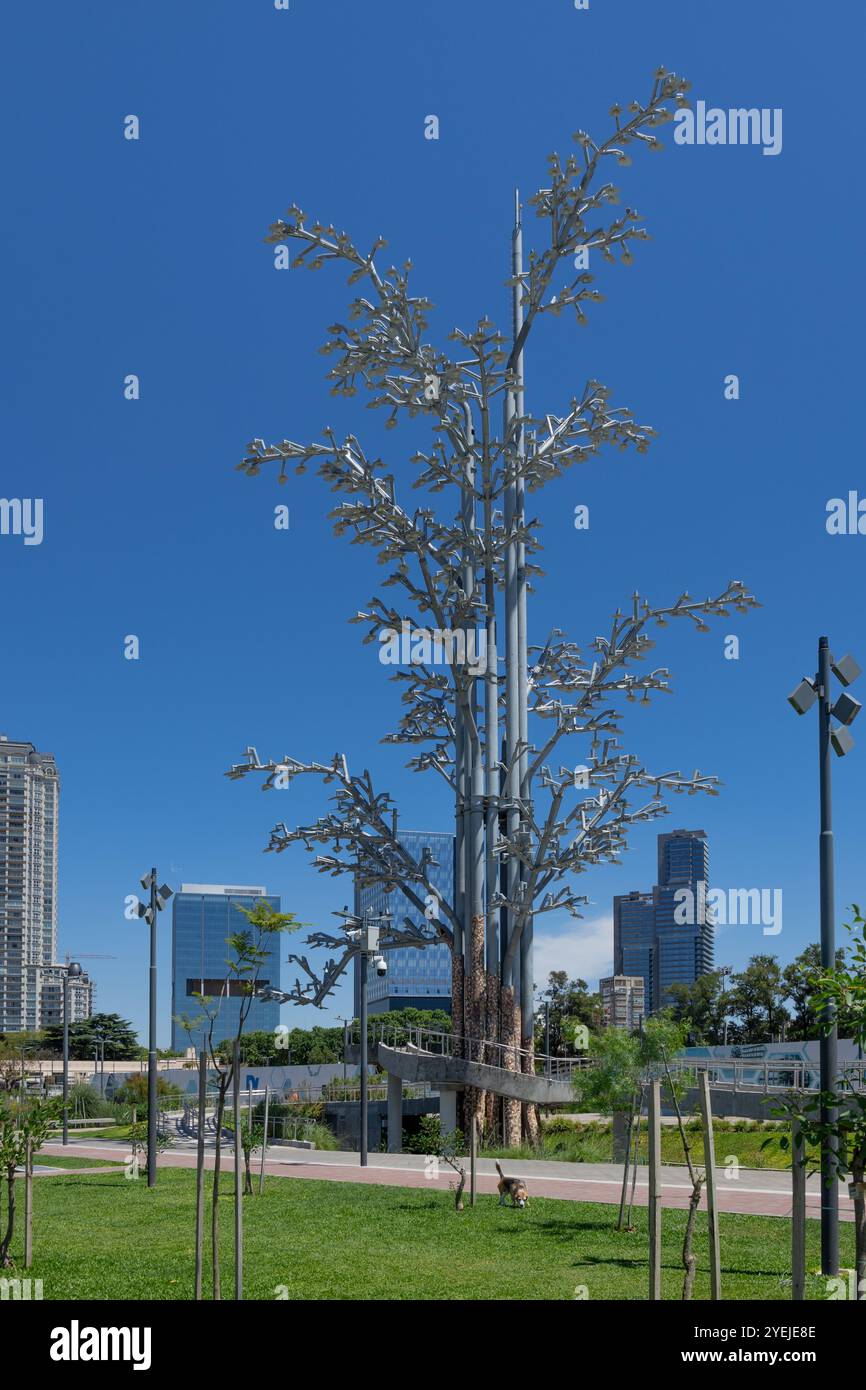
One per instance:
(305, 1081)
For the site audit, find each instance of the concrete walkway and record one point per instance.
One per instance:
(754, 1191)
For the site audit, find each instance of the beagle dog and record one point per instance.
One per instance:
(515, 1188)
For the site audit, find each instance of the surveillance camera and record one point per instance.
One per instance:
(381, 965)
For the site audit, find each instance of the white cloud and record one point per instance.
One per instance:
(584, 949)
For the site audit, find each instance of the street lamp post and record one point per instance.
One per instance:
(361, 941)
(72, 970)
(547, 1033)
(365, 931)
(362, 1010)
(158, 899)
(837, 738)
(724, 972)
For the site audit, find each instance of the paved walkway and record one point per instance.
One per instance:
(754, 1191)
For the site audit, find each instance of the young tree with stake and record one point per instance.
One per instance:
(248, 952)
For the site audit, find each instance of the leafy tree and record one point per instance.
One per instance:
(623, 1062)
(252, 1138)
(134, 1092)
(799, 981)
(14, 1046)
(304, 1047)
(565, 1002)
(624, 1065)
(436, 1020)
(756, 998)
(310, 1047)
(249, 950)
(701, 1007)
(842, 989)
(116, 1033)
(137, 1136)
(22, 1124)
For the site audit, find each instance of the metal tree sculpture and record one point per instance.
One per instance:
(524, 823)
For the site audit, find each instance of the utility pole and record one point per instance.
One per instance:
(837, 739)
(364, 962)
(72, 970)
(829, 1034)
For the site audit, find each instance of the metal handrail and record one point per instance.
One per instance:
(768, 1075)
(503, 1056)
(761, 1075)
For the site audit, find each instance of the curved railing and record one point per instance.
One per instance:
(503, 1056)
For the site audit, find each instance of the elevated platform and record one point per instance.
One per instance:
(415, 1065)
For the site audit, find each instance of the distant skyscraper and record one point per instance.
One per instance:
(684, 949)
(29, 795)
(634, 939)
(204, 916)
(416, 978)
(653, 935)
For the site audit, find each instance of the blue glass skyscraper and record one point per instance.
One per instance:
(684, 950)
(204, 916)
(634, 939)
(416, 978)
(664, 939)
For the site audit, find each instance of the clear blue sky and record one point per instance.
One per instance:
(147, 257)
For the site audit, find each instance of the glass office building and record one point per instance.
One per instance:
(634, 939)
(683, 950)
(648, 940)
(417, 978)
(204, 916)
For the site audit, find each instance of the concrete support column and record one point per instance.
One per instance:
(395, 1114)
(448, 1109)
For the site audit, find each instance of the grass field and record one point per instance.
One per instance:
(103, 1236)
(49, 1161)
(593, 1143)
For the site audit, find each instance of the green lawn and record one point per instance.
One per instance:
(104, 1236)
(43, 1160)
(114, 1132)
(593, 1143)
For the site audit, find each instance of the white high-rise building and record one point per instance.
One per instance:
(29, 796)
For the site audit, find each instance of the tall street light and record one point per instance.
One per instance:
(158, 899)
(365, 932)
(365, 939)
(71, 971)
(837, 737)
(724, 972)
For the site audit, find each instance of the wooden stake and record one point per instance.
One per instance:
(264, 1141)
(798, 1214)
(199, 1173)
(28, 1204)
(655, 1191)
(473, 1158)
(710, 1168)
(239, 1195)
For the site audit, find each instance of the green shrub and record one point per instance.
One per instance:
(85, 1103)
